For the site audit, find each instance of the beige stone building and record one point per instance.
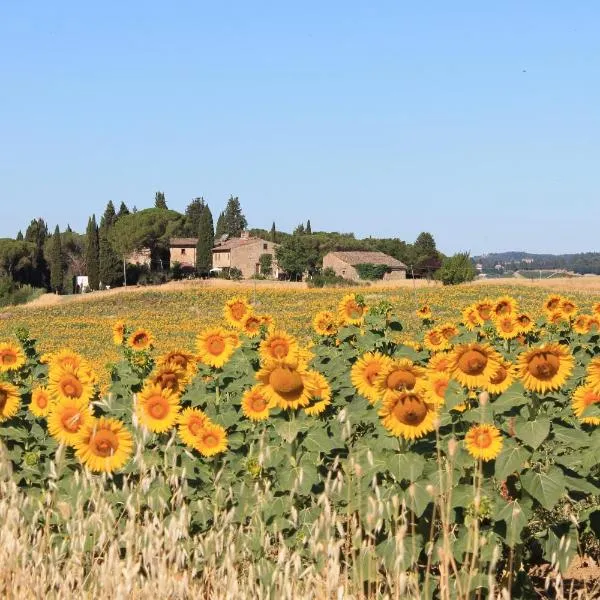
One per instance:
(344, 263)
(140, 257)
(183, 251)
(244, 254)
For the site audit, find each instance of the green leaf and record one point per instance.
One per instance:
(512, 458)
(570, 437)
(418, 498)
(545, 488)
(455, 395)
(514, 517)
(407, 467)
(533, 433)
(513, 397)
(593, 410)
(317, 440)
(289, 430)
(561, 545)
(578, 484)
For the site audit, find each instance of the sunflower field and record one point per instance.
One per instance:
(445, 462)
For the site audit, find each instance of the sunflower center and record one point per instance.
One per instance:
(252, 324)
(506, 325)
(157, 407)
(440, 387)
(104, 443)
(567, 307)
(215, 344)
(553, 304)
(482, 439)
(258, 403)
(354, 310)
(8, 358)
(401, 379)
(71, 387)
(180, 361)
(42, 401)
(141, 339)
(71, 420)
(591, 398)
(238, 310)
(503, 308)
(371, 371)
(499, 376)
(544, 366)
(472, 362)
(3, 398)
(195, 425)
(210, 440)
(410, 410)
(279, 348)
(485, 312)
(286, 381)
(435, 338)
(524, 320)
(168, 379)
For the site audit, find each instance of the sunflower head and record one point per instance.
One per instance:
(191, 423)
(483, 442)
(11, 357)
(157, 408)
(284, 385)
(66, 418)
(435, 341)
(408, 415)
(502, 378)
(399, 375)
(435, 387)
(118, 332)
(279, 347)
(215, 347)
(140, 339)
(448, 331)
(585, 396)
(471, 318)
(545, 368)
(325, 323)
(103, 445)
(251, 325)
(524, 322)
(68, 383)
(9, 400)
(485, 309)
(440, 362)
(568, 308)
(364, 374)
(255, 404)
(211, 440)
(473, 364)
(40, 402)
(235, 310)
(424, 312)
(352, 309)
(581, 324)
(593, 373)
(180, 359)
(505, 305)
(170, 377)
(552, 303)
(507, 327)
(320, 393)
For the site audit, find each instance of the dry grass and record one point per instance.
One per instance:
(567, 284)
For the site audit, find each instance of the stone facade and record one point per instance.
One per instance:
(244, 254)
(183, 251)
(140, 257)
(343, 263)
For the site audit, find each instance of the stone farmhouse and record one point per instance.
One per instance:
(183, 251)
(344, 263)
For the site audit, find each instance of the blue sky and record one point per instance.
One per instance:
(476, 121)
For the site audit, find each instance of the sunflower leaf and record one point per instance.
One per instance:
(511, 459)
(515, 518)
(533, 433)
(545, 488)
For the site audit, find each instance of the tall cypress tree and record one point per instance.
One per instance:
(92, 254)
(160, 200)
(109, 261)
(57, 263)
(235, 221)
(221, 227)
(123, 210)
(206, 241)
(193, 214)
(308, 229)
(273, 233)
(37, 233)
(20, 236)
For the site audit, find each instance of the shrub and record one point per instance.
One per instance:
(370, 271)
(457, 269)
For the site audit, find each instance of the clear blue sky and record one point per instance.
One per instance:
(476, 121)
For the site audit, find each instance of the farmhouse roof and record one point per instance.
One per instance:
(357, 257)
(235, 243)
(183, 242)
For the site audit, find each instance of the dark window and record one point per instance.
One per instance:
(265, 246)
(183, 251)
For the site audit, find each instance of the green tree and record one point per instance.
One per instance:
(160, 201)
(273, 233)
(20, 236)
(206, 241)
(123, 210)
(57, 263)
(193, 215)
(457, 269)
(16, 259)
(37, 233)
(109, 218)
(299, 230)
(266, 264)
(110, 262)
(92, 254)
(221, 228)
(424, 247)
(235, 221)
(308, 229)
(297, 255)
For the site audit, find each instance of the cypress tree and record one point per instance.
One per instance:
(221, 227)
(273, 233)
(123, 210)
(57, 264)
(109, 261)
(193, 214)
(20, 236)
(92, 254)
(160, 201)
(308, 230)
(206, 241)
(235, 221)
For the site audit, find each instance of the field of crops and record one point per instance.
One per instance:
(427, 443)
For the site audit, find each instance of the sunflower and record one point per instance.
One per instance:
(471, 318)
(524, 322)
(279, 347)
(284, 385)
(157, 408)
(66, 418)
(211, 440)
(581, 324)
(171, 377)
(255, 404)
(424, 312)
(320, 393)
(140, 339)
(556, 317)
(484, 309)
(72, 384)
(351, 309)
(505, 305)
(502, 378)
(483, 442)
(178, 358)
(435, 387)
(118, 331)
(507, 327)
(408, 415)
(67, 360)
(215, 347)
(104, 445)
(364, 373)
(435, 341)
(235, 310)
(399, 374)
(473, 364)
(594, 322)
(11, 357)
(596, 309)
(568, 308)
(448, 330)
(191, 422)
(40, 402)
(545, 368)
(552, 303)
(593, 373)
(583, 397)
(9, 400)
(251, 324)
(440, 362)
(325, 323)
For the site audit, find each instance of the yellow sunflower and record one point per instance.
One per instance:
(505, 305)
(320, 393)
(583, 397)
(325, 323)
(556, 317)
(215, 347)
(424, 312)
(40, 402)
(596, 309)
(552, 303)
(211, 440)
(471, 318)
(398, 375)
(507, 327)
(594, 322)
(279, 347)
(251, 325)
(485, 309)
(502, 379)
(364, 373)
(483, 442)
(235, 310)
(66, 418)
(118, 331)
(284, 385)
(140, 339)
(172, 377)
(9, 400)
(440, 362)
(593, 373)
(524, 322)
(473, 364)
(104, 445)
(435, 387)
(11, 357)
(408, 415)
(191, 423)
(545, 368)
(255, 404)
(351, 309)
(178, 358)
(72, 384)
(157, 408)
(448, 330)
(435, 341)
(568, 308)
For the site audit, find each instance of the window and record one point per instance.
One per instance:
(183, 251)
(265, 246)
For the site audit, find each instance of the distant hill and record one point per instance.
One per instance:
(582, 263)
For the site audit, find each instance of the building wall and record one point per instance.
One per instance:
(341, 268)
(395, 274)
(140, 257)
(246, 257)
(221, 260)
(186, 257)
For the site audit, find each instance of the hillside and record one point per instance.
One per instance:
(582, 263)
